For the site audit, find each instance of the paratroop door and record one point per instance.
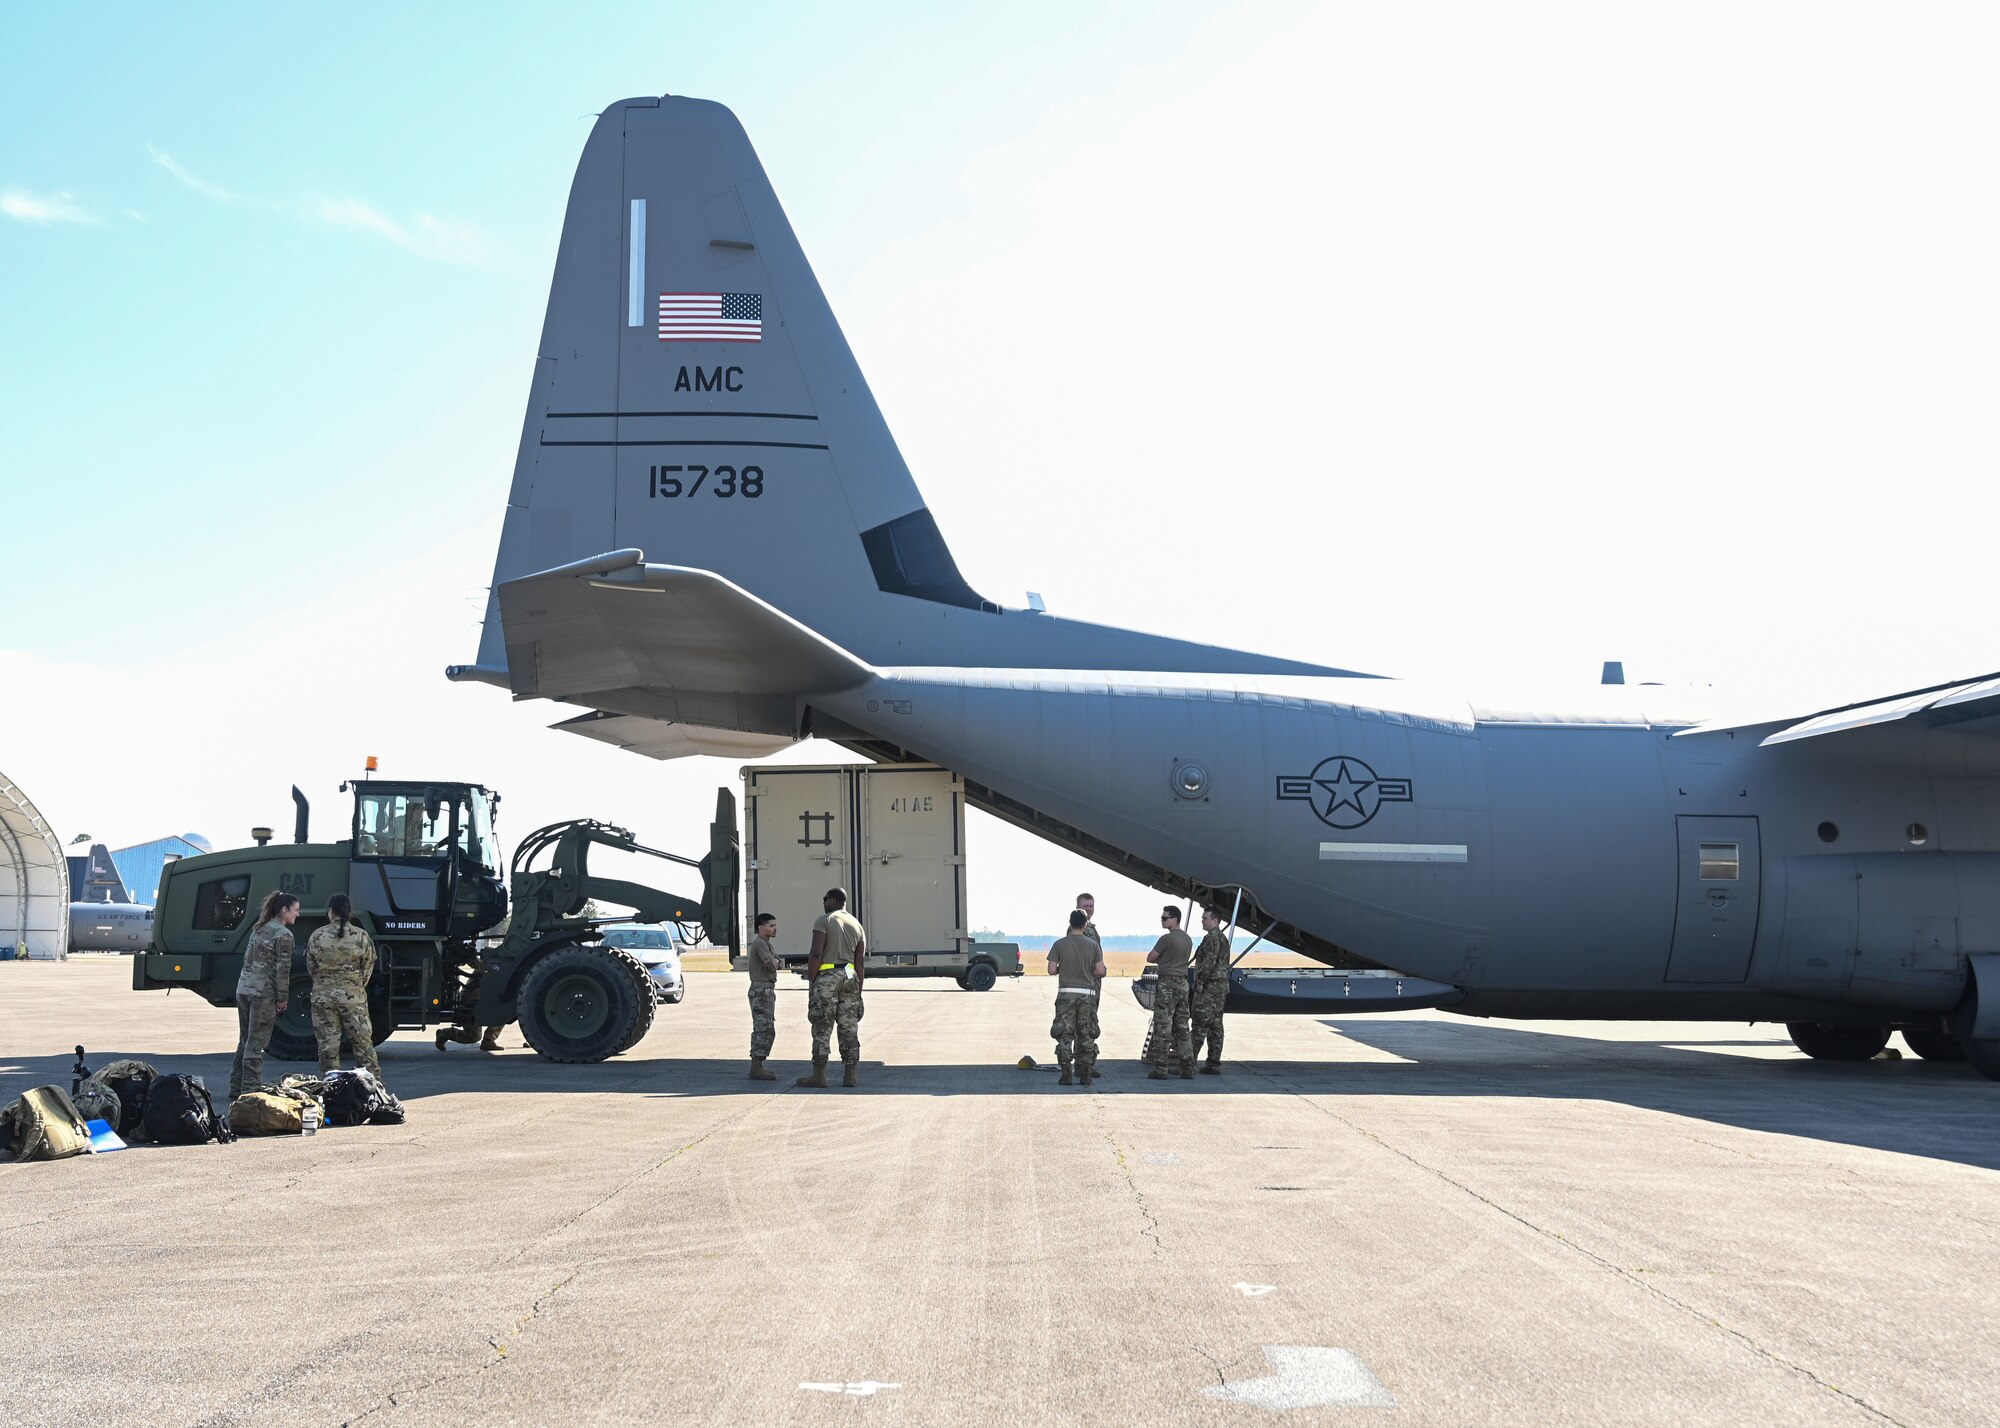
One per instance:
(1715, 924)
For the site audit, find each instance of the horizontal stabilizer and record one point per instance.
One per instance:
(658, 740)
(1959, 703)
(701, 647)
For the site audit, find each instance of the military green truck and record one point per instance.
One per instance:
(422, 869)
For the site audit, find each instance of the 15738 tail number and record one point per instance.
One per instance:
(667, 482)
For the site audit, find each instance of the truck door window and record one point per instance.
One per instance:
(220, 906)
(395, 825)
(475, 830)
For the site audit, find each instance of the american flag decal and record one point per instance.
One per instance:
(711, 317)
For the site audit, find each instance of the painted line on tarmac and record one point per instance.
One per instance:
(1303, 1376)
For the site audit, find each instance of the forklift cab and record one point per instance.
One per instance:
(425, 862)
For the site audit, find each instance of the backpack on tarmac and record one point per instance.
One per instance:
(129, 1080)
(43, 1125)
(179, 1112)
(356, 1098)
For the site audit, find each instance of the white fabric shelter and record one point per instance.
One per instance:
(34, 879)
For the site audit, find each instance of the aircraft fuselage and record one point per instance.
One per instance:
(1550, 863)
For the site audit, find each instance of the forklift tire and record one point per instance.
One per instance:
(292, 1036)
(980, 977)
(649, 1003)
(580, 1002)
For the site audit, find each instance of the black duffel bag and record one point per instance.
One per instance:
(355, 1098)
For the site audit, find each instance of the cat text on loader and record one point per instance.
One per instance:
(421, 866)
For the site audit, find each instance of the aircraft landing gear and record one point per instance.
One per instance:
(1984, 1056)
(1837, 1043)
(1932, 1044)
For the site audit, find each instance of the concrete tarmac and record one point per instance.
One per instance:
(1410, 1219)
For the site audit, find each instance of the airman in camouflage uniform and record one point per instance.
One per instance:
(764, 966)
(1171, 955)
(466, 1030)
(1087, 905)
(1078, 964)
(262, 989)
(1211, 989)
(836, 965)
(341, 958)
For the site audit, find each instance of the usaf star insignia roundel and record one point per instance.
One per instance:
(1344, 792)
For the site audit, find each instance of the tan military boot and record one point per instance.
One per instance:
(1066, 1079)
(818, 1077)
(1214, 1068)
(1084, 1073)
(1158, 1073)
(757, 1071)
(444, 1035)
(490, 1041)
(851, 1076)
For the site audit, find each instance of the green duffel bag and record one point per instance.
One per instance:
(96, 1101)
(267, 1113)
(43, 1125)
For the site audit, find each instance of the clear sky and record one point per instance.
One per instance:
(1476, 343)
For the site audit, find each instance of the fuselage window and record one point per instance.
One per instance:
(1719, 862)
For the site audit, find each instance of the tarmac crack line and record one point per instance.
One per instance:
(1151, 1228)
(1769, 1355)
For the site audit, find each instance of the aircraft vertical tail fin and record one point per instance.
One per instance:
(694, 401)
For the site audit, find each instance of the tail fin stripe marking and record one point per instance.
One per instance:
(732, 441)
(774, 416)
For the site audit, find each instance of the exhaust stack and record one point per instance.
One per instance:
(305, 810)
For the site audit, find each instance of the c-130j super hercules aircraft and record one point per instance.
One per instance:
(695, 405)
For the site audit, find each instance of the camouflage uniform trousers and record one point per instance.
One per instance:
(1207, 1018)
(1170, 1021)
(340, 1009)
(763, 1019)
(1075, 1031)
(835, 1001)
(255, 1016)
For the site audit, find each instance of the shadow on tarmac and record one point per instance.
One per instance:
(1938, 1110)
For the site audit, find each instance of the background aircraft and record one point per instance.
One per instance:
(713, 545)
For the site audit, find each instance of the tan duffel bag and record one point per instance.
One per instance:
(43, 1125)
(264, 1113)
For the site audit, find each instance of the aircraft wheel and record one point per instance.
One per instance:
(1932, 1044)
(980, 977)
(1837, 1043)
(580, 1001)
(1984, 1056)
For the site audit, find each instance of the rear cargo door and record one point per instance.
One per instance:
(912, 860)
(801, 829)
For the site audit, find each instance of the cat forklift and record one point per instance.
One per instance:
(421, 866)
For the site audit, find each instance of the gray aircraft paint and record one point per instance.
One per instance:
(1546, 859)
(110, 926)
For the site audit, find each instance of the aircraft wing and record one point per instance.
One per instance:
(1962, 702)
